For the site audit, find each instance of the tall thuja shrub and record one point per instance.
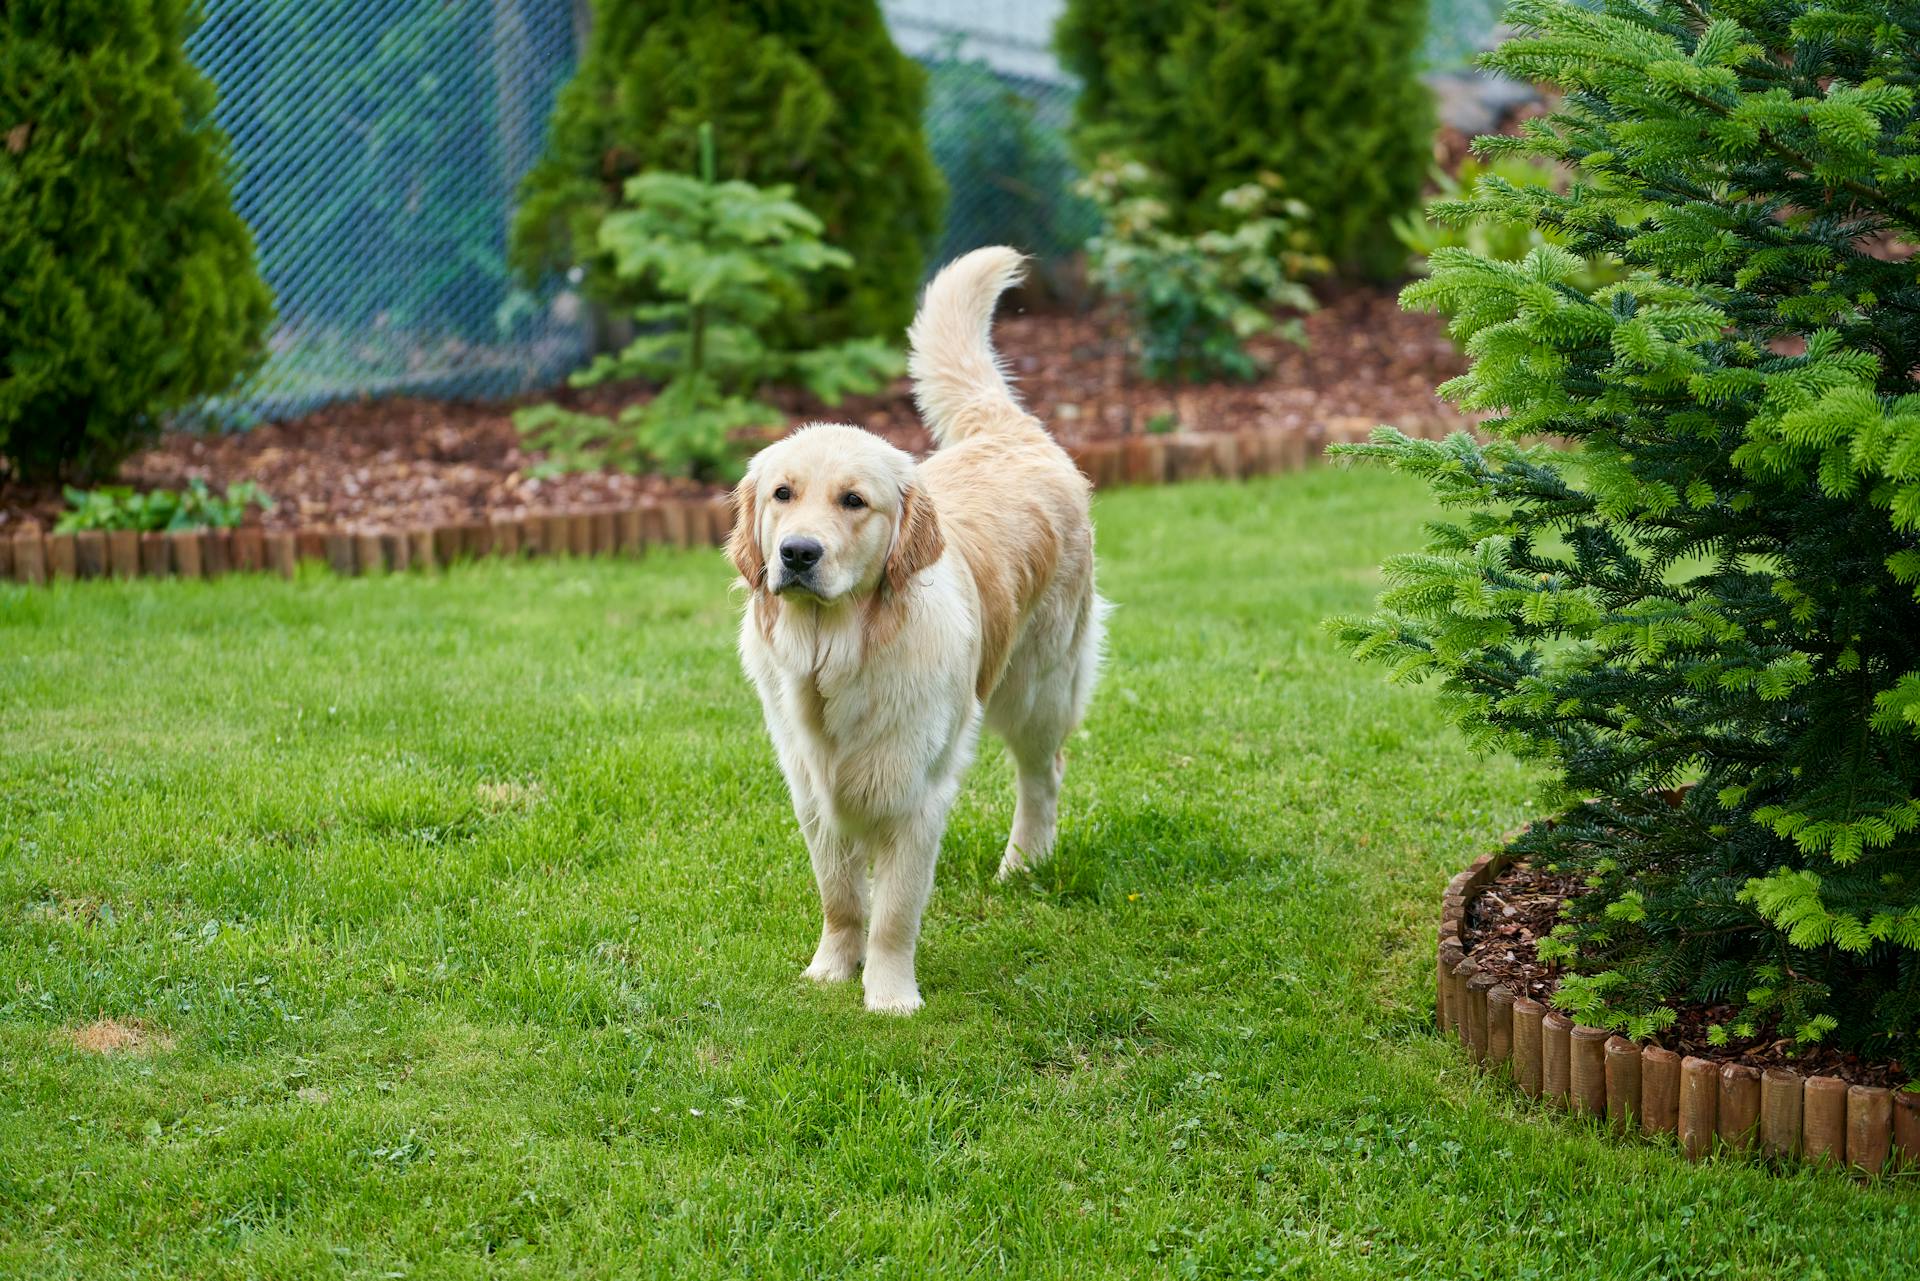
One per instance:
(809, 93)
(1211, 94)
(1719, 588)
(127, 283)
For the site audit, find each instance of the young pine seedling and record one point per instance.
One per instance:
(728, 263)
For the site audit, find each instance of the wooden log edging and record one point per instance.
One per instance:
(1706, 1105)
(32, 557)
(35, 558)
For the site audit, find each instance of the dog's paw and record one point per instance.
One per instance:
(891, 989)
(898, 1002)
(836, 969)
(833, 964)
(1012, 864)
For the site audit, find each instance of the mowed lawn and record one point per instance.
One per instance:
(459, 924)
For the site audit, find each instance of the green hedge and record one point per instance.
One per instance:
(1210, 95)
(127, 282)
(811, 93)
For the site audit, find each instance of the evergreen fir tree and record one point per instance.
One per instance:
(811, 93)
(1719, 588)
(1212, 94)
(127, 282)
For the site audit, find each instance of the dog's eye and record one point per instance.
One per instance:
(852, 501)
(782, 493)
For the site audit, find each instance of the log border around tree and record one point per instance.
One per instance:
(1706, 1105)
(33, 557)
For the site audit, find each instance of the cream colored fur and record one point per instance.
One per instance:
(945, 593)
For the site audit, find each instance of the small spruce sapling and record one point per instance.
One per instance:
(727, 261)
(815, 93)
(1193, 301)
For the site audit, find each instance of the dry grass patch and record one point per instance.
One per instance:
(117, 1036)
(509, 794)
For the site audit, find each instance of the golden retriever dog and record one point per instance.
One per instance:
(895, 605)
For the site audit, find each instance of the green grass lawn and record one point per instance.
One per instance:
(465, 919)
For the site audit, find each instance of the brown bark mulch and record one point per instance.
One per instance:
(411, 461)
(1505, 922)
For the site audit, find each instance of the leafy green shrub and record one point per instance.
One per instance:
(732, 261)
(1194, 300)
(1008, 172)
(1720, 587)
(1211, 93)
(1451, 221)
(129, 283)
(812, 93)
(196, 507)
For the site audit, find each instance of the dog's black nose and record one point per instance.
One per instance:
(800, 554)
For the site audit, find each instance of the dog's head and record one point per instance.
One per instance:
(832, 512)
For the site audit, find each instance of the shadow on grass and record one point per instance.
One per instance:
(1108, 853)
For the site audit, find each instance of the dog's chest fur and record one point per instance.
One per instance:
(864, 727)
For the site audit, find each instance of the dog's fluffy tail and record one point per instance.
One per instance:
(958, 380)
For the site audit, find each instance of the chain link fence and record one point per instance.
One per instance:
(1457, 30)
(378, 146)
(998, 106)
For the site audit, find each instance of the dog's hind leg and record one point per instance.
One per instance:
(1036, 716)
(1036, 808)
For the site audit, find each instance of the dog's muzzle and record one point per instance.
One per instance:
(798, 557)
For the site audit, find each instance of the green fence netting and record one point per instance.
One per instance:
(378, 144)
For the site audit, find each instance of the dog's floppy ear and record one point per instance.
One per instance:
(918, 544)
(743, 545)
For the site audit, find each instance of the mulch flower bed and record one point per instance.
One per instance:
(409, 462)
(1505, 922)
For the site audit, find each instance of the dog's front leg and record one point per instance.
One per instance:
(840, 871)
(903, 861)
